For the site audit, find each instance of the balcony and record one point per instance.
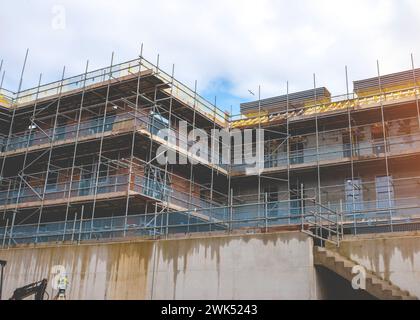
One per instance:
(68, 133)
(94, 129)
(248, 215)
(332, 154)
(33, 194)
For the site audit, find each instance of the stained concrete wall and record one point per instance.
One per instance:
(257, 266)
(395, 257)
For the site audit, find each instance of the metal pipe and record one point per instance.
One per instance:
(81, 223)
(5, 233)
(133, 141)
(51, 148)
(415, 88)
(108, 89)
(385, 144)
(2, 265)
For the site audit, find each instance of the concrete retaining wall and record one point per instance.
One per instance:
(259, 266)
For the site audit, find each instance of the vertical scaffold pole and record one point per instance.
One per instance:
(352, 154)
(8, 141)
(133, 141)
(259, 165)
(166, 163)
(51, 147)
(79, 119)
(288, 153)
(385, 142)
(415, 89)
(101, 143)
(191, 163)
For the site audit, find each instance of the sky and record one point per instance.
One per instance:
(230, 47)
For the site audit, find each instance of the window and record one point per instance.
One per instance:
(109, 122)
(378, 135)
(296, 203)
(354, 195)
(384, 192)
(350, 142)
(346, 145)
(85, 181)
(60, 130)
(272, 194)
(296, 153)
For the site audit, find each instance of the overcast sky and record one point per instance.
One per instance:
(228, 46)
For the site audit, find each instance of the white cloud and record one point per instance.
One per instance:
(244, 42)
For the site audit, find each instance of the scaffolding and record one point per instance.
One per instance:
(78, 160)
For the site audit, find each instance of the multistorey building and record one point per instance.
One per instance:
(79, 159)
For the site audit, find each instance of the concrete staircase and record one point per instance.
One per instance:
(375, 286)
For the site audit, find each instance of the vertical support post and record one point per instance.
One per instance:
(51, 147)
(76, 145)
(328, 217)
(74, 227)
(166, 163)
(146, 170)
(2, 265)
(101, 143)
(191, 164)
(337, 225)
(133, 141)
(415, 89)
(81, 223)
(288, 152)
(155, 222)
(5, 233)
(256, 146)
(266, 211)
(231, 211)
(22, 172)
(385, 145)
(352, 154)
(14, 111)
(231, 160)
(213, 146)
(347, 83)
(8, 141)
(341, 218)
(302, 214)
(317, 143)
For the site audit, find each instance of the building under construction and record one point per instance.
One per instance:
(78, 159)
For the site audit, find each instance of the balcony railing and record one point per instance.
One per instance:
(57, 191)
(356, 216)
(68, 132)
(110, 184)
(197, 220)
(129, 68)
(396, 145)
(123, 122)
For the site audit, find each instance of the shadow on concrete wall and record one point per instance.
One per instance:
(334, 287)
